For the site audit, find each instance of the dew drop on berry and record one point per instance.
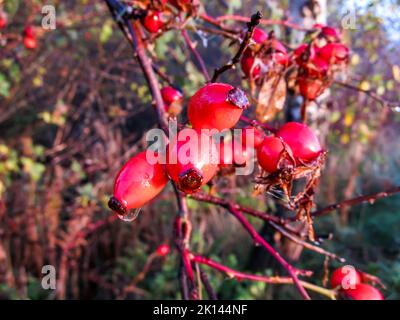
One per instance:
(132, 215)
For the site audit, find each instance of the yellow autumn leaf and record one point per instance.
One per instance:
(345, 138)
(348, 119)
(364, 85)
(355, 59)
(390, 85)
(396, 73)
(37, 81)
(2, 188)
(4, 149)
(381, 90)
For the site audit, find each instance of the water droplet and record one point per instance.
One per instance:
(396, 109)
(131, 215)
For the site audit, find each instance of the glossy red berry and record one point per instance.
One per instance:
(345, 277)
(137, 182)
(329, 33)
(302, 141)
(310, 88)
(153, 22)
(270, 153)
(301, 56)
(279, 53)
(29, 32)
(248, 64)
(3, 19)
(170, 95)
(362, 291)
(259, 36)
(163, 250)
(216, 106)
(233, 153)
(256, 134)
(192, 160)
(334, 53)
(30, 43)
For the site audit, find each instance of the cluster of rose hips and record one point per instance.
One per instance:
(351, 285)
(153, 19)
(318, 60)
(263, 54)
(216, 107)
(29, 35)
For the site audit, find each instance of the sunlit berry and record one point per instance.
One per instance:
(302, 141)
(170, 96)
(345, 277)
(30, 43)
(192, 160)
(271, 152)
(153, 22)
(216, 106)
(334, 53)
(163, 250)
(362, 291)
(252, 137)
(137, 182)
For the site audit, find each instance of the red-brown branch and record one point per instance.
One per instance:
(196, 54)
(284, 23)
(253, 22)
(351, 202)
(258, 240)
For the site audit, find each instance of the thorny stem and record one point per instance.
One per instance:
(351, 202)
(231, 273)
(254, 21)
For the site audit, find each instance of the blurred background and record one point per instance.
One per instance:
(75, 107)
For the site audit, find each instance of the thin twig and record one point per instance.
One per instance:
(196, 54)
(253, 277)
(284, 23)
(373, 95)
(254, 21)
(351, 202)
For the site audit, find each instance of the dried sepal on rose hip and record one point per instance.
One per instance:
(264, 50)
(192, 160)
(273, 154)
(138, 182)
(216, 106)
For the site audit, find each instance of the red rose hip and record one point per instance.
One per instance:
(362, 291)
(301, 140)
(153, 22)
(216, 106)
(192, 160)
(30, 43)
(137, 182)
(257, 137)
(163, 250)
(269, 153)
(345, 277)
(170, 95)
